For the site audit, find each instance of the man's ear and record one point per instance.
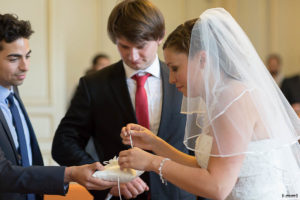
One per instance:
(159, 41)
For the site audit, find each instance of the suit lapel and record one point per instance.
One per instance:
(166, 98)
(120, 91)
(8, 134)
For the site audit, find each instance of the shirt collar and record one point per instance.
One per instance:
(153, 69)
(4, 92)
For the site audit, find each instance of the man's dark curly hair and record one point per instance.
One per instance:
(11, 28)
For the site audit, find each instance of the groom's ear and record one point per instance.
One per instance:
(160, 41)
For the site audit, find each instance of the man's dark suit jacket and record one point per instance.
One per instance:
(100, 108)
(290, 87)
(16, 180)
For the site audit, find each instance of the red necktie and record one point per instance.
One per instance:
(141, 105)
(141, 101)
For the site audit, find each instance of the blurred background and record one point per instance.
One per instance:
(68, 33)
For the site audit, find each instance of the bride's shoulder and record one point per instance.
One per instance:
(236, 91)
(238, 86)
(238, 98)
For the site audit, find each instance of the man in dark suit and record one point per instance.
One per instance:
(107, 100)
(21, 170)
(291, 89)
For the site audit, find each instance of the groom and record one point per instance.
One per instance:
(109, 99)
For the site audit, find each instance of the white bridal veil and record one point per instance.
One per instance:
(233, 99)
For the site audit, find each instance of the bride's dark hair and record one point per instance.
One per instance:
(179, 39)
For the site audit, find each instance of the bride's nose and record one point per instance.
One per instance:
(172, 79)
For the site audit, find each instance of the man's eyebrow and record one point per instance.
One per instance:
(14, 55)
(124, 45)
(141, 44)
(18, 55)
(29, 52)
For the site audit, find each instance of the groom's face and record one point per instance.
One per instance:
(137, 56)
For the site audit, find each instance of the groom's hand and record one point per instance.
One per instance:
(131, 189)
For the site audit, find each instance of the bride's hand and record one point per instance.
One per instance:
(136, 158)
(141, 136)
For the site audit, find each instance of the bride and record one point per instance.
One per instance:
(241, 128)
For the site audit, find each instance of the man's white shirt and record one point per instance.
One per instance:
(153, 88)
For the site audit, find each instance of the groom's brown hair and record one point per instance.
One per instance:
(136, 21)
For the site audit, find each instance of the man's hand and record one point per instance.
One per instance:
(83, 176)
(131, 189)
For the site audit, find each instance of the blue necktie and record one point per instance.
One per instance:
(21, 136)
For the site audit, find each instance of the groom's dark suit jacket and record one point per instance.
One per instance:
(14, 177)
(100, 108)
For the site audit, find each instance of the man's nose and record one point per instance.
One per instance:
(24, 65)
(134, 54)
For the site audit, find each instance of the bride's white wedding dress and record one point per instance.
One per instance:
(232, 102)
(259, 178)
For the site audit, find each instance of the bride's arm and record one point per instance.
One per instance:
(215, 182)
(164, 149)
(138, 136)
